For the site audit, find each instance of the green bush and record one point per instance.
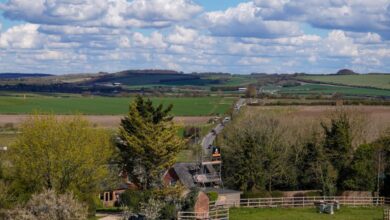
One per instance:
(276, 194)
(132, 199)
(256, 194)
(314, 193)
(168, 212)
(213, 196)
(189, 202)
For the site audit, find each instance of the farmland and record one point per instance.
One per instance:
(330, 89)
(305, 213)
(376, 118)
(381, 81)
(110, 105)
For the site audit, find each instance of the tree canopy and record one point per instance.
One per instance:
(148, 142)
(62, 154)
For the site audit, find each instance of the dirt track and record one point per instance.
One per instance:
(105, 120)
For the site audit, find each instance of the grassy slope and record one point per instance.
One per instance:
(305, 214)
(110, 106)
(329, 89)
(377, 81)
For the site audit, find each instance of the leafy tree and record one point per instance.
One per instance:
(307, 167)
(327, 175)
(382, 163)
(338, 141)
(361, 175)
(251, 91)
(338, 144)
(148, 143)
(255, 152)
(316, 169)
(62, 154)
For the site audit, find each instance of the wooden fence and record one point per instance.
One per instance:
(386, 214)
(216, 214)
(219, 210)
(290, 202)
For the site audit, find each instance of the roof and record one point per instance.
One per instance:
(220, 191)
(183, 171)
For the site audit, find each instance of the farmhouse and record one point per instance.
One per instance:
(185, 174)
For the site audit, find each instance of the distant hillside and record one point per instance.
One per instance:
(22, 75)
(346, 72)
(151, 77)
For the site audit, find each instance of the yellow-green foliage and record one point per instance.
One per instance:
(60, 154)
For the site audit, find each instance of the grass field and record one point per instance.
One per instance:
(378, 81)
(109, 105)
(305, 214)
(329, 89)
(6, 138)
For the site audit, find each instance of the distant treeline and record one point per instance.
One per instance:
(22, 75)
(59, 88)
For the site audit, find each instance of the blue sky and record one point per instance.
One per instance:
(284, 36)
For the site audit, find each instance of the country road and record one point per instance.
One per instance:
(210, 137)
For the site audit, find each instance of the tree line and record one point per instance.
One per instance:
(270, 152)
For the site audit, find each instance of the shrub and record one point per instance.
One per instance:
(213, 196)
(256, 194)
(50, 206)
(276, 194)
(133, 199)
(190, 200)
(151, 209)
(168, 212)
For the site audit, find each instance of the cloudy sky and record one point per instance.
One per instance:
(315, 36)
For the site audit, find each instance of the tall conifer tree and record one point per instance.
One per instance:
(148, 143)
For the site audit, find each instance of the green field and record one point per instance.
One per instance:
(305, 214)
(329, 89)
(370, 80)
(196, 106)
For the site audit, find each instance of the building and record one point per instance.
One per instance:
(186, 173)
(110, 198)
(242, 89)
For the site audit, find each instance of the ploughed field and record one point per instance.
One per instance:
(345, 213)
(186, 106)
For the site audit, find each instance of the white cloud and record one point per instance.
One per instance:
(338, 44)
(182, 35)
(55, 11)
(245, 21)
(347, 15)
(102, 13)
(366, 38)
(255, 36)
(253, 60)
(58, 55)
(155, 40)
(162, 10)
(24, 36)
